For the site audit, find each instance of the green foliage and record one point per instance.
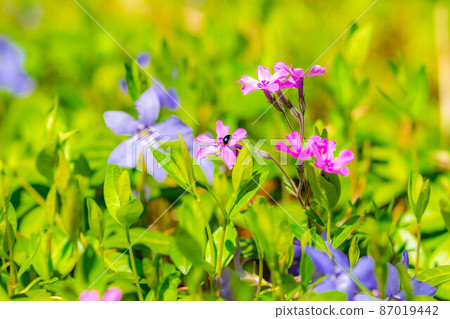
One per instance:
(418, 194)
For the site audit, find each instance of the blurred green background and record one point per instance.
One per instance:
(384, 94)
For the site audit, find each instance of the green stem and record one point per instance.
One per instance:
(260, 275)
(419, 238)
(12, 279)
(329, 227)
(102, 254)
(210, 238)
(219, 259)
(133, 266)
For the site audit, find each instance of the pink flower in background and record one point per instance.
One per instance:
(225, 144)
(296, 149)
(324, 158)
(297, 75)
(266, 81)
(111, 294)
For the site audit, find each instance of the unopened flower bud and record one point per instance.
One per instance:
(262, 154)
(278, 105)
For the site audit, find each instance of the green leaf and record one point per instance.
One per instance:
(326, 189)
(329, 296)
(187, 161)
(36, 242)
(242, 170)
(152, 271)
(131, 84)
(235, 203)
(112, 199)
(180, 261)
(62, 174)
(51, 205)
(354, 252)
(129, 213)
(435, 276)
(5, 188)
(192, 250)
(171, 167)
(157, 242)
(45, 162)
(167, 290)
(445, 211)
(12, 218)
(345, 230)
(306, 270)
(123, 187)
(358, 45)
(418, 194)
(95, 218)
(71, 210)
(229, 248)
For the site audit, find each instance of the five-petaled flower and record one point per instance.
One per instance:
(225, 145)
(267, 82)
(144, 132)
(111, 294)
(296, 150)
(324, 158)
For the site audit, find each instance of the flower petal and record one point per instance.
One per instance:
(327, 284)
(316, 70)
(237, 136)
(221, 130)
(121, 123)
(421, 288)
(363, 297)
(89, 295)
(172, 100)
(364, 271)
(207, 151)
(263, 73)
(339, 257)
(322, 262)
(393, 282)
(148, 107)
(405, 258)
(295, 141)
(285, 149)
(171, 127)
(153, 167)
(345, 157)
(126, 154)
(112, 294)
(203, 138)
(228, 156)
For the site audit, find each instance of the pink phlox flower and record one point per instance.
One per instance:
(225, 145)
(266, 81)
(296, 150)
(324, 158)
(296, 74)
(111, 294)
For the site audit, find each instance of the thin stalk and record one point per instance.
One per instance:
(133, 266)
(30, 189)
(419, 239)
(260, 275)
(329, 227)
(12, 279)
(287, 120)
(102, 253)
(210, 238)
(219, 259)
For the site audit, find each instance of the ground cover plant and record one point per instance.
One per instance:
(215, 161)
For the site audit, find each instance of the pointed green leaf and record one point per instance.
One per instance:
(130, 212)
(242, 170)
(95, 218)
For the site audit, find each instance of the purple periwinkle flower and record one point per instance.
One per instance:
(13, 78)
(144, 133)
(338, 271)
(111, 294)
(393, 290)
(143, 58)
(295, 267)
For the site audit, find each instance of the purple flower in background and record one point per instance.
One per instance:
(144, 133)
(143, 58)
(295, 267)
(13, 78)
(167, 97)
(324, 158)
(393, 291)
(338, 272)
(225, 144)
(111, 294)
